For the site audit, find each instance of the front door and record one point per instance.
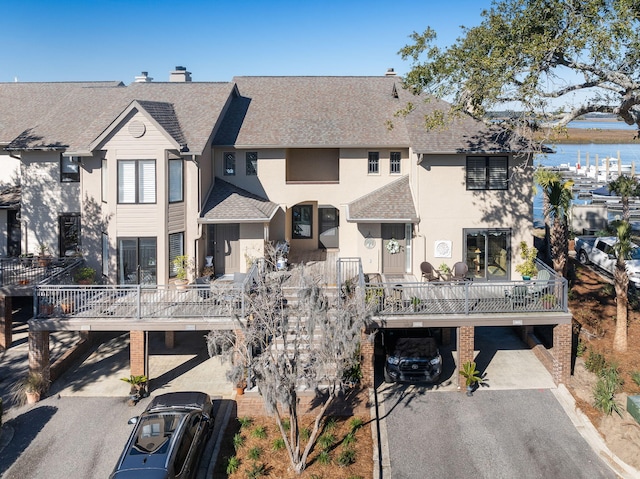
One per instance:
(226, 246)
(13, 234)
(69, 234)
(328, 234)
(393, 248)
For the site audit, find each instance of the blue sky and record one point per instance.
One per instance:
(217, 39)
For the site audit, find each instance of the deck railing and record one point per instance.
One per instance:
(33, 270)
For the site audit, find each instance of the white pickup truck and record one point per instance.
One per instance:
(600, 251)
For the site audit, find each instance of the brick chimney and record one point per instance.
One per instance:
(180, 74)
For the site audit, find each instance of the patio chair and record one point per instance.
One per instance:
(541, 284)
(459, 271)
(204, 288)
(519, 297)
(429, 273)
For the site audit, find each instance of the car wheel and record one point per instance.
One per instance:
(583, 257)
(387, 378)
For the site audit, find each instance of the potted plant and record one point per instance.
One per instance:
(30, 388)
(415, 303)
(528, 267)
(138, 387)
(45, 307)
(85, 275)
(549, 301)
(43, 258)
(182, 266)
(471, 376)
(444, 268)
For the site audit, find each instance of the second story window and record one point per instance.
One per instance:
(70, 169)
(251, 158)
(229, 164)
(373, 166)
(394, 163)
(136, 181)
(104, 180)
(487, 173)
(175, 180)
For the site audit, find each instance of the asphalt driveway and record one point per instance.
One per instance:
(494, 434)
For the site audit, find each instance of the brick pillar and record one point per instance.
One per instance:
(561, 353)
(367, 359)
(138, 353)
(169, 339)
(39, 359)
(465, 340)
(6, 322)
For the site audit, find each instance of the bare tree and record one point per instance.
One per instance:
(309, 342)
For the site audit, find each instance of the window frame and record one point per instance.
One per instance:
(137, 179)
(104, 180)
(395, 163)
(105, 254)
(305, 212)
(474, 173)
(251, 163)
(229, 163)
(172, 268)
(69, 176)
(178, 198)
(373, 163)
(65, 219)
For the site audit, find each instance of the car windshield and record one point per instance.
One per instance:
(415, 348)
(635, 253)
(155, 431)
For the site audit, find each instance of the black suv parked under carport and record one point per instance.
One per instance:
(411, 357)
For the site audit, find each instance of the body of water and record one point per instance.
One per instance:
(569, 154)
(600, 125)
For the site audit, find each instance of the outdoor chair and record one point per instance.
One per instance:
(459, 271)
(519, 297)
(541, 284)
(429, 273)
(204, 288)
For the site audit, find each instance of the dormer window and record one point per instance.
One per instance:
(229, 164)
(69, 169)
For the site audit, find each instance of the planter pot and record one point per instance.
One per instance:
(526, 278)
(470, 389)
(46, 309)
(23, 281)
(85, 281)
(66, 308)
(181, 283)
(33, 397)
(44, 262)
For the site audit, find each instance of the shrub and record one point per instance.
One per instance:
(255, 453)
(278, 444)
(233, 464)
(595, 362)
(604, 397)
(259, 432)
(330, 424)
(356, 423)
(349, 439)
(245, 422)
(635, 375)
(305, 433)
(256, 470)
(286, 424)
(346, 457)
(238, 441)
(324, 457)
(326, 440)
(581, 348)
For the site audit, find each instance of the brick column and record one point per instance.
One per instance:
(169, 339)
(465, 340)
(39, 359)
(367, 359)
(138, 353)
(6, 322)
(562, 353)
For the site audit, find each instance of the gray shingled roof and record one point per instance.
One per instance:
(72, 115)
(165, 115)
(325, 112)
(10, 197)
(393, 203)
(228, 203)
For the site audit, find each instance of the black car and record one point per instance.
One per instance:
(168, 438)
(412, 359)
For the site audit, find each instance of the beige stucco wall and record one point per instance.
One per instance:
(44, 198)
(9, 169)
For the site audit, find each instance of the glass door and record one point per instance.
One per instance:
(137, 261)
(487, 254)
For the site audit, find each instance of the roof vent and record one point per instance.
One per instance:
(143, 78)
(180, 74)
(390, 72)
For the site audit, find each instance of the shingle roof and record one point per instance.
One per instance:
(228, 203)
(10, 197)
(391, 203)
(72, 115)
(329, 112)
(165, 115)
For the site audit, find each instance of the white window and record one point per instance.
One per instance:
(105, 254)
(136, 181)
(229, 163)
(69, 169)
(394, 167)
(104, 185)
(175, 180)
(374, 163)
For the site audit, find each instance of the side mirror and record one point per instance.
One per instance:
(133, 420)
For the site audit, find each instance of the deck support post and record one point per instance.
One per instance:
(465, 346)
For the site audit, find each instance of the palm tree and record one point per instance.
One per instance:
(557, 197)
(625, 186)
(622, 249)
